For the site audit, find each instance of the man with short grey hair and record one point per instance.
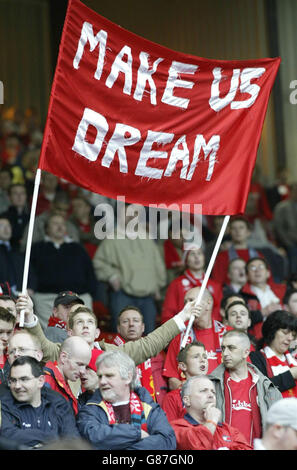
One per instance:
(121, 415)
(244, 394)
(280, 431)
(202, 428)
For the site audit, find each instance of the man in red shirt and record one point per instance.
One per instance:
(201, 428)
(204, 329)
(243, 393)
(193, 276)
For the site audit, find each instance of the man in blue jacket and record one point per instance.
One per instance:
(32, 414)
(120, 414)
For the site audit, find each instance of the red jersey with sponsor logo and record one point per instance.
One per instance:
(241, 409)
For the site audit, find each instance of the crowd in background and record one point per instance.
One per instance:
(256, 268)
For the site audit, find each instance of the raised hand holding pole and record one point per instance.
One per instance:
(206, 277)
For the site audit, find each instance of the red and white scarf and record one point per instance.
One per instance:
(56, 322)
(136, 410)
(218, 327)
(281, 365)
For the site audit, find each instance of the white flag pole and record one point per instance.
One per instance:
(29, 239)
(206, 277)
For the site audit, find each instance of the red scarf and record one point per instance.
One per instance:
(144, 371)
(195, 281)
(56, 381)
(136, 410)
(217, 327)
(95, 353)
(3, 359)
(56, 322)
(276, 366)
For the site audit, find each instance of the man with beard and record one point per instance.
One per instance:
(121, 415)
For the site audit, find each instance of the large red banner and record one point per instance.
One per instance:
(128, 117)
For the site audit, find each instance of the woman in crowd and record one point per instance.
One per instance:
(272, 357)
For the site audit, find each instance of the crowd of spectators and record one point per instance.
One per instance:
(100, 357)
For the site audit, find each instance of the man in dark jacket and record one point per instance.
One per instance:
(140, 423)
(59, 264)
(32, 414)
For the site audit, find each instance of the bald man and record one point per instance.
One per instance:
(74, 357)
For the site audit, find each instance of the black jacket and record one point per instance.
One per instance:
(59, 269)
(20, 422)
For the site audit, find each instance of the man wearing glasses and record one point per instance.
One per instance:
(21, 343)
(31, 414)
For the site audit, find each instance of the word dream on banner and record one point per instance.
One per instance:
(132, 118)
